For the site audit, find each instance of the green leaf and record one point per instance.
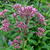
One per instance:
(43, 1)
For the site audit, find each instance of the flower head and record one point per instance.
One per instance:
(5, 25)
(1, 13)
(18, 37)
(17, 42)
(5, 10)
(17, 6)
(5, 21)
(22, 25)
(26, 11)
(17, 46)
(41, 18)
(41, 29)
(14, 15)
(39, 33)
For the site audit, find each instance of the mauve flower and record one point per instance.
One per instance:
(42, 21)
(1, 13)
(14, 15)
(5, 21)
(41, 18)
(41, 29)
(5, 10)
(17, 46)
(5, 24)
(35, 10)
(18, 37)
(39, 15)
(22, 25)
(26, 11)
(4, 28)
(39, 33)
(17, 6)
(15, 41)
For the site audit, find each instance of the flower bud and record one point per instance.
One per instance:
(17, 47)
(18, 37)
(39, 33)
(5, 10)
(1, 13)
(41, 29)
(14, 14)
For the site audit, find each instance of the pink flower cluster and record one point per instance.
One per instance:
(5, 24)
(41, 18)
(21, 25)
(17, 6)
(16, 43)
(28, 12)
(4, 11)
(1, 13)
(14, 15)
(40, 31)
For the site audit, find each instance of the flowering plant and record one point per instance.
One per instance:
(23, 16)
